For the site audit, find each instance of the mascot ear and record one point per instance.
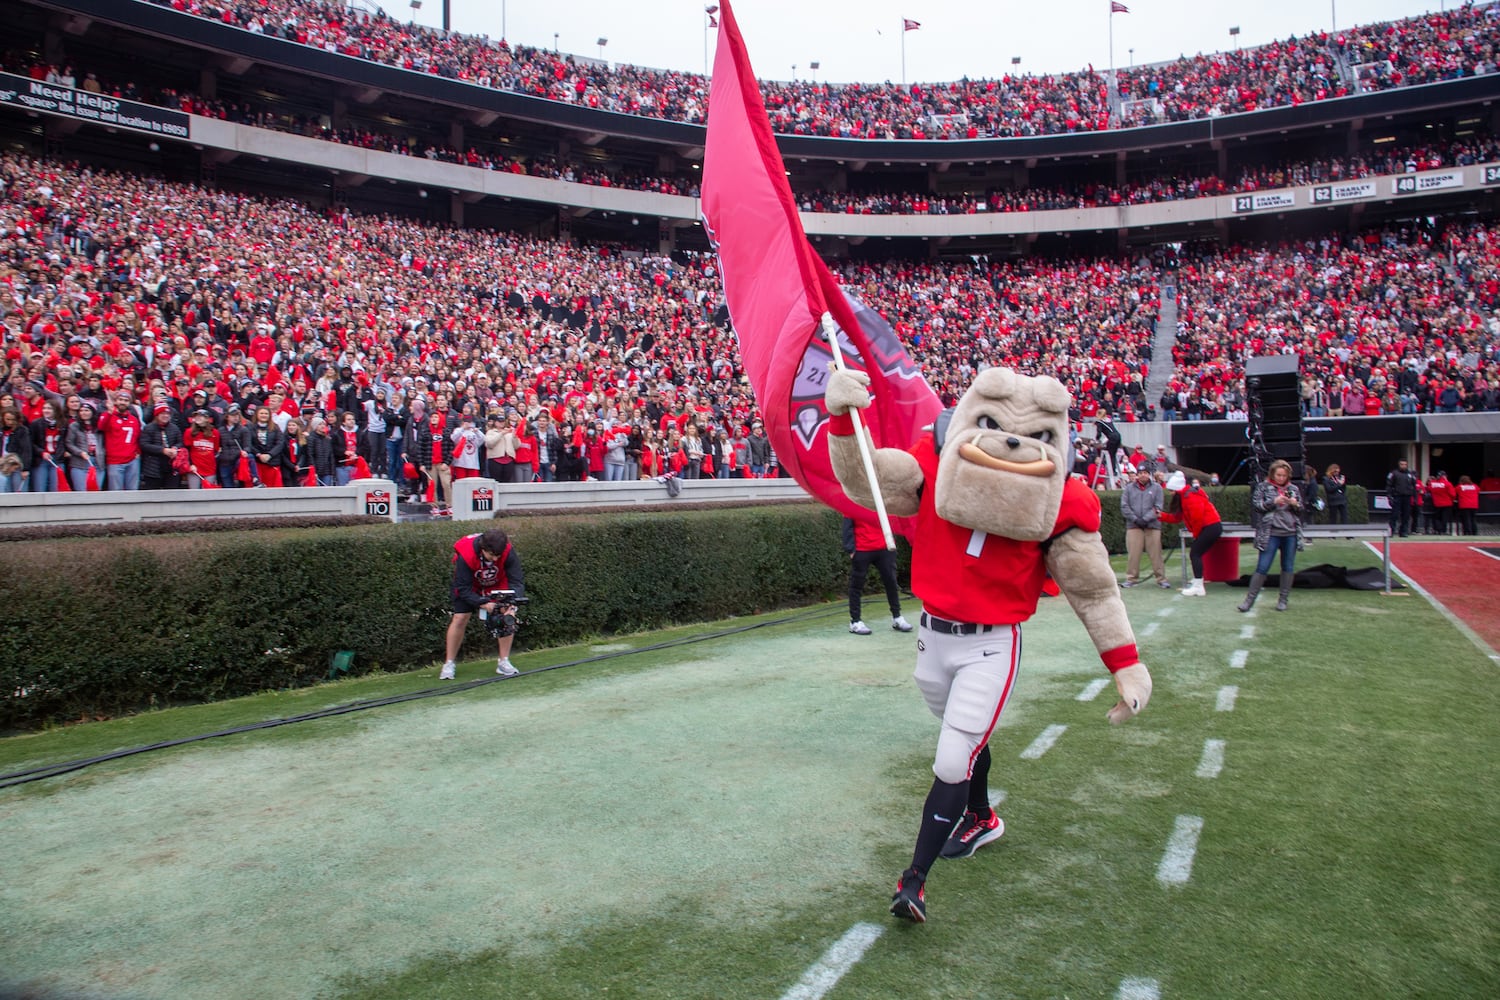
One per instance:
(1051, 395)
(940, 429)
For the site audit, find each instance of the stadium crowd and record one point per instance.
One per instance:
(210, 325)
(1444, 45)
(1395, 321)
(1378, 160)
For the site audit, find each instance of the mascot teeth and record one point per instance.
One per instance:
(1041, 467)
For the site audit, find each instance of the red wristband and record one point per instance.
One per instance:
(840, 425)
(1120, 657)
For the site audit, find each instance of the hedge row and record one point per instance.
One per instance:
(102, 629)
(99, 628)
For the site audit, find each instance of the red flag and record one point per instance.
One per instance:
(907, 24)
(712, 8)
(1116, 7)
(91, 481)
(778, 289)
(713, 22)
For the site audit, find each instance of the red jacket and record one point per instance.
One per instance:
(1468, 496)
(1198, 512)
(1443, 493)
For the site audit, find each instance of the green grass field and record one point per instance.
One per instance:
(708, 820)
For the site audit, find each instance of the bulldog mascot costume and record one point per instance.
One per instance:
(996, 512)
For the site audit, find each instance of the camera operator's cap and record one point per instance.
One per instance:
(1176, 482)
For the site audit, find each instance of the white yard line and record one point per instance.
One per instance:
(825, 973)
(1212, 761)
(1092, 691)
(1238, 658)
(1227, 694)
(1487, 555)
(1043, 743)
(1248, 632)
(1149, 629)
(1133, 988)
(1166, 612)
(997, 796)
(1177, 863)
(1457, 622)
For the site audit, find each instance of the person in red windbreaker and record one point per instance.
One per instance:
(1190, 506)
(1443, 497)
(202, 443)
(1468, 505)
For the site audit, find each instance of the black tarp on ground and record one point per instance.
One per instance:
(1325, 576)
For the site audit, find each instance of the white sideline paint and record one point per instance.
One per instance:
(1487, 555)
(1457, 622)
(1213, 759)
(1166, 612)
(1043, 743)
(1132, 988)
(1149, 629)
(997, 796)
(1227, 695)
(840, 957)
(1248, 632)
(1238, 658)
(1177, 863)
(1094, 687)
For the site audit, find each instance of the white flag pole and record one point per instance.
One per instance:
(831, 333)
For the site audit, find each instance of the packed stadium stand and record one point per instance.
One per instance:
(252, 197)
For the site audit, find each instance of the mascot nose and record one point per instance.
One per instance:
(1013, 442)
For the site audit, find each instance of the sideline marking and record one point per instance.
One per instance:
(1487, 555)
(1166, 612)
(997, 796)
(1092, 691)
(840, 957)
(1238, 658)
(1133, 988)
(1043, 743)
(1457, 622)
(1213, 759)
(1248, 632)
(1177, 863)
(1149, 629)
(1227, 694)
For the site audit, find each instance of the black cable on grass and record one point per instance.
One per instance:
(67, 767)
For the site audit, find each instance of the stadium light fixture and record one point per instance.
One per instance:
(1234, 36)
(1015, 60)
(601, 41)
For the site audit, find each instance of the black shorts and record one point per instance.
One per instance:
(461, 606)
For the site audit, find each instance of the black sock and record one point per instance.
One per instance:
(940, 814)
(979, 784)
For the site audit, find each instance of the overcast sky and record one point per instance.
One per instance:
(860, 40)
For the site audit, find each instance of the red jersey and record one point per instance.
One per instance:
(122, 436)
(970, 576)
(1468, 496)
(1198, 512)
(203, 450)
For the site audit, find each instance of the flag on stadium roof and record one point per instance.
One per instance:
(778, 289)
(712, 8)
(907, 24)
(713, 22)
(1116, 7)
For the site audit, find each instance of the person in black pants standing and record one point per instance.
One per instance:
(1400, 488)
(866, 546)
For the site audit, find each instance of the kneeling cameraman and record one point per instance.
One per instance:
(487, 577)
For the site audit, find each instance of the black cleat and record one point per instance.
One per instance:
(910, 900)
(972, 834)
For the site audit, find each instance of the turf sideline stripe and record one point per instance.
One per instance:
(997, 796)
(1487, 555)
(1177, 863)
(1458, 622)
(1248, 632)
(1213, 759)
(1227, 694)
(1166, 612)
(1092, 691)
(1043, 743)
(1238, 658)
(1133, 988)
(1149, 629)
(840, 957)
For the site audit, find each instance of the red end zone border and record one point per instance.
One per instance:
(1460, 578)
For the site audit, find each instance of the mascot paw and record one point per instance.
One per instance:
(847, 390)
(1134, 684)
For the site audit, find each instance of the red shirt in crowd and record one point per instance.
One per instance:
(122, 436)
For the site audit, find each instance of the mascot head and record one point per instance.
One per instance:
(1001, 468)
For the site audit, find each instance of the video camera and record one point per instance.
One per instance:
(501, 625)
